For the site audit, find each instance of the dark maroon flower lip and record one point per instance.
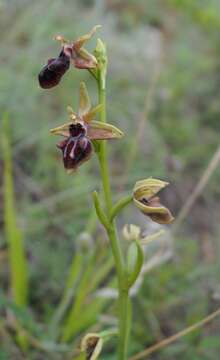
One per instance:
(77, 129)
(77, 148)
(52, 73)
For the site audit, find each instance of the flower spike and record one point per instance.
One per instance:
(144, 198)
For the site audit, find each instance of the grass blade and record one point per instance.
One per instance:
(13, 234)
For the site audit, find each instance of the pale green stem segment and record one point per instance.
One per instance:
(124, 307)
(102, 155)
(124, 323)
(99, 211)
(111, 229)
(119, 206)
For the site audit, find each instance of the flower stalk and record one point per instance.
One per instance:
(124, 306)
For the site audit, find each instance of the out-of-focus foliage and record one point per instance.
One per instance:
(163, 92)
(18, 266)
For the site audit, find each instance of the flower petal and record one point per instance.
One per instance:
(155, 210)
(92, 113)
(61, 39)
(97, 130)
(71, 113)
(84, 100)
(80, 62)
(82, 39)
(88, 56)
(62, 130)
(148, 187)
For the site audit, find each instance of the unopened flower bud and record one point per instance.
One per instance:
(131, 232)
(144, 198)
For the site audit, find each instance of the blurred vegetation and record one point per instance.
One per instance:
(163, 91)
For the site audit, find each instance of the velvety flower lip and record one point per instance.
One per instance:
(52, 73)
(71, 53)
(76, 149)
(77, 129)
(144, 198)
(81, 130)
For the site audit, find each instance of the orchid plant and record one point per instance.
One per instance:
(84, 135)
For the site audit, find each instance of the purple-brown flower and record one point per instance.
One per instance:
(81, 130)
(71, 53)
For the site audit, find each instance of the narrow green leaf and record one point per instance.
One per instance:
(14, 236)
(71, 284)
(81, 293)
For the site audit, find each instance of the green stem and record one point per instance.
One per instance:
(103, 155)
(124, 323)
(103, 162)
(123, 301)
(117, 253)
(120, 205)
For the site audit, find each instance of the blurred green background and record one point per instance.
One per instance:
(163, 91)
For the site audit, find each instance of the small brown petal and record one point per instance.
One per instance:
(81, 63)
(97, 130)
(159, 213)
